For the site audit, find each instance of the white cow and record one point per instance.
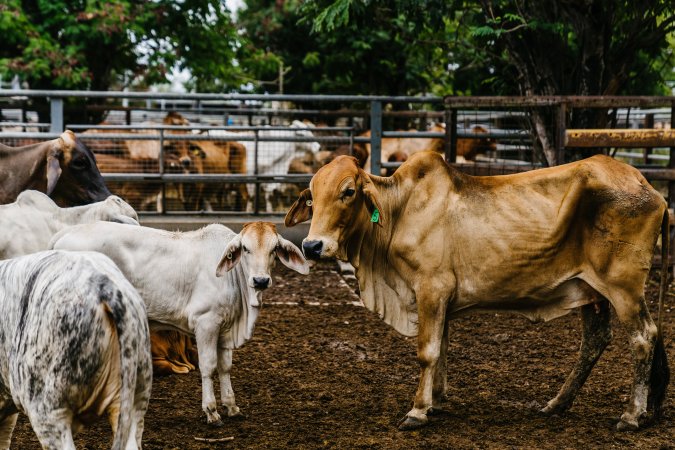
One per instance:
(274, 157)
(75, 344)
(33, 219)
(206, 283)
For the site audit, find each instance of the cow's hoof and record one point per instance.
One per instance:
(549, 410)
(213, 419)
(215, 423)
(412, 423)
(236, 414)
(627, 425)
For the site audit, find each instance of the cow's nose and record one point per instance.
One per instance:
(261, 282)
(312, 249)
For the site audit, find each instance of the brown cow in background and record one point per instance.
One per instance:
(400, 149)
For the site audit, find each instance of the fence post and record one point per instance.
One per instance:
(375, 136)
(56, 115)
(560, 128)
(160, 161)
(450, 144)
(671, 184)
(256, 200)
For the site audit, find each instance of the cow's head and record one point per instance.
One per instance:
(341, 200)
(72, 176)
(255, 248)
(117, 210)
(303, 129)
(183, 157)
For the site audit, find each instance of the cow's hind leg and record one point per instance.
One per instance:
(441, 375)
(595, 336)
(6, 429)
(642, 333)
(53, 429)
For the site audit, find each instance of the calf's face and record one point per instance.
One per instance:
(341, 199)
(255, 248)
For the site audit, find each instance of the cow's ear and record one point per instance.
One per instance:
(231, 256)
(372, 200)
(301, 209)
(291, 256)
(53, 169)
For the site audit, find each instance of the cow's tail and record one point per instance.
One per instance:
(118, 315)
(660, 375)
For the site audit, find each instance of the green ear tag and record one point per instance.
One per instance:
(376, 216)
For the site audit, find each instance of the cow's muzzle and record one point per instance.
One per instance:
(261, 282)
(312, 249)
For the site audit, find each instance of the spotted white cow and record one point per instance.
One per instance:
(206, 283)
(75, 344)
(33, 219)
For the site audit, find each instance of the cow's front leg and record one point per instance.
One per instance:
(206, 334)
(226, 391)
(431, 310)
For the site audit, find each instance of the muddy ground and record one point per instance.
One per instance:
(335, 376)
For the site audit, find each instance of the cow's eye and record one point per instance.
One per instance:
(246, 250)
(348, 192)
(80, 163)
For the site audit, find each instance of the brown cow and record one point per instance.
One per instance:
(63, 168)
(431, 243)
(172, 352)
(400, 149)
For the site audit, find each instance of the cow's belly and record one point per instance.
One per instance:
(538, 305)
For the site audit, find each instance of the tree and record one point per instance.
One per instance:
(541, 47)
(77, 44)
(579, 47)
(380, 50)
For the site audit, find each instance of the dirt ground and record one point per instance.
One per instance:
(334, 376)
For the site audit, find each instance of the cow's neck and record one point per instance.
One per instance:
(372, 237)
(25, 168)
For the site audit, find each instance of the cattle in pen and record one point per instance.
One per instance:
(206, 283)
(398, 150)
(76, 345)
(63, 168)
(431, 243)
(275, 154)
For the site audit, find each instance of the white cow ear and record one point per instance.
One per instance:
(291, 256)
(230, 258)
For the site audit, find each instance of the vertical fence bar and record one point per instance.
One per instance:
(256, 209)
(560, 128)
(56, 115)
(671, 185)
(162, 205)
(375, 136)
(450, 144)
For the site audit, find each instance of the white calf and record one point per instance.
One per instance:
(75, 344)
(33, 219)
(206, 283)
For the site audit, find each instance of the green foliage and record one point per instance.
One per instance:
(92, 44)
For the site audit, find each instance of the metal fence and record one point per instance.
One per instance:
(236, 153)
